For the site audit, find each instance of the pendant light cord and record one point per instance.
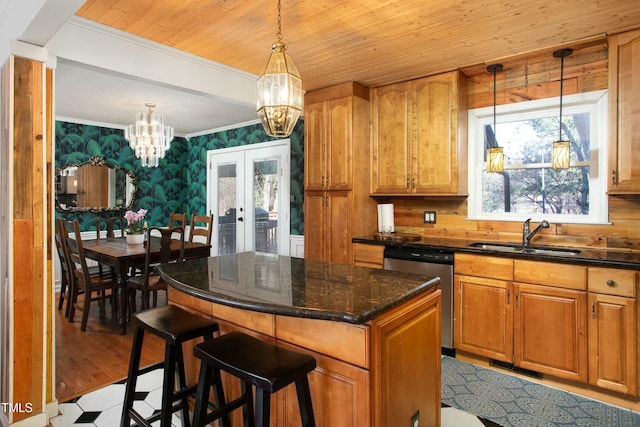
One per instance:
(494, 69)
(561, 54)
(561, 84)
(279, 33)
(495, 133)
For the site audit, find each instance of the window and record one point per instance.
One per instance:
(529, 187)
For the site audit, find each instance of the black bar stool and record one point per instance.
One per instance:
(255, 362)
(175, 326)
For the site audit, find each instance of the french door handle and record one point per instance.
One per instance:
(241, 219)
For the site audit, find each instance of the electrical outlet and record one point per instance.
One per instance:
(429, 217)
(415, 419)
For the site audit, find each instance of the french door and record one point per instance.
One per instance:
(249, 192)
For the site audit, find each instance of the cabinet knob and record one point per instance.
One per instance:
(611, 283)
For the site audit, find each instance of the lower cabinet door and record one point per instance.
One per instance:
(483, 317)
(550, 330)
(612, 343)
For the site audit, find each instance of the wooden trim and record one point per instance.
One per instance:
(339, 91)
(30, 244)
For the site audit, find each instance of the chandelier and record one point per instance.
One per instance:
(279, 90)
(148, 137)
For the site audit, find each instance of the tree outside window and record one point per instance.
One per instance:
(528, 186)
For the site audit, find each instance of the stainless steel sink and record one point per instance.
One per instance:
(515, 248)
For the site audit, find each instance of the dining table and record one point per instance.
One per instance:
(115, 252)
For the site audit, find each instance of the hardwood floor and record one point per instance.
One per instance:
(86, 361)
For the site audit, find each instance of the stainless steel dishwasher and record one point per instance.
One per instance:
(431, 262)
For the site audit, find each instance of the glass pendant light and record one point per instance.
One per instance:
(495, 155)
(279, 90)
(148, 137)
(560, 154)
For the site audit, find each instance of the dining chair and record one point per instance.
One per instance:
(150, 282)
(110, 226)
(94, 286)
(177, 219)
(204, 231)
(65, 280)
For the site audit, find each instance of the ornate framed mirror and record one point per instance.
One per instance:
(94, 186)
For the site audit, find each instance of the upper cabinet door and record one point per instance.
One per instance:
(391, 138)
(624, 113)
(329, 144)
(418, 143)
(315, 141)
(339, 144)
(435, 149)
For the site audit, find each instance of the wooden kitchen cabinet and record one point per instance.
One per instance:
(337, 205)
(483, 317)
(624, 113)
(327, 226)
(550, 327)
(550, 318)
(365, 255)
(419, 136)
(328, 140)
(482, 306)
(539, 325)
(612, 329)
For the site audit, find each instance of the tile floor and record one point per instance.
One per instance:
(103, 407)
(501, 400)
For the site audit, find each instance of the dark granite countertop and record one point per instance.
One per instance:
(586, 256)
(296, 287)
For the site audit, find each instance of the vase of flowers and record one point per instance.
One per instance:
(135, 233)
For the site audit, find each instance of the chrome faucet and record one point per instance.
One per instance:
(526, 236)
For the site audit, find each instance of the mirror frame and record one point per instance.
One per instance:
(98, 161)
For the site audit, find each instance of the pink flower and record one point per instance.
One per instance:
(134, 220)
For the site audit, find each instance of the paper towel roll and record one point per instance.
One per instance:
(385, 218)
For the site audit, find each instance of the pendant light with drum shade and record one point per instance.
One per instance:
(279, 90)
(560, 154)
(148, 137)
(495, 155)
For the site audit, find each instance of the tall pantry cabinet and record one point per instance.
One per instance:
(337, 206)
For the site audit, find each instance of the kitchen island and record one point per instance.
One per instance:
(375, 334)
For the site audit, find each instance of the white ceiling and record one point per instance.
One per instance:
(95, 95)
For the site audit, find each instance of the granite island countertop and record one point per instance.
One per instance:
(587, 256)
(296, 287)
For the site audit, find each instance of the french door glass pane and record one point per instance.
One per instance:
(265, 198)
(227, 201)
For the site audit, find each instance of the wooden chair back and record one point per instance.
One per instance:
(110, 225)
(171, 250)
(177, 219)
(65, 280)
(202, 232)
(81, 276)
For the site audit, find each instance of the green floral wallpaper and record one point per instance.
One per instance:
(178, 184)
(251, 134)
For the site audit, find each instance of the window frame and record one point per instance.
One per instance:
(596, 103)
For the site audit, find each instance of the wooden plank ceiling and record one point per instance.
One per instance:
(372, 42)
